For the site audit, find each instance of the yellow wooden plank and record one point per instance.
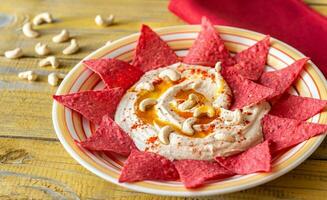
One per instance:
(321, 152)
(321, 2)
(41, 169)
(322, 9)
(27, 167)
(26, 114)
(26, 107)
(78, 18)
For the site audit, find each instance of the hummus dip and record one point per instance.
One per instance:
(181, 112)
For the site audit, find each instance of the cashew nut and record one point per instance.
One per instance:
(42, 49)
(218, 66)
(100, 21)
(29, 31)
(63, 36)
(164, 133)
(28, 75)
(187, 126)
(15, 53)
(42, 18)
(224, 137)
(72, 48)
(189, 103)
(172, 74)
(144, 86)
(146, 103)
(193, 97)
(231, 117)
(53, 78)
(50, 60)
(195, 85)
(204, 110)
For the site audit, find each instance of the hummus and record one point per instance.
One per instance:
(181, 112)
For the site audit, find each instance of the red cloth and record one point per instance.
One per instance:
(291, 21)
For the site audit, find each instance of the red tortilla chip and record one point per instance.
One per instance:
(115, 73)
(152, 52)
(251, 62)
(208, 48)
(281, 80)
(245, 92)
(141, 166)
(297, 107)
(93, 105)
(194, 173)
(109, 137)
(284, 133)
(255, 159)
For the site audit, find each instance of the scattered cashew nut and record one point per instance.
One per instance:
(164, 133)
(53, 78)
(144, 86)
(29, 31)
(187, 126)
(42, 18)
(63, 36)
(72, 48)
(50, 60)
(189, 103)
(172, 74)
(15, 53)
(146, 103)
(204, 110)
(42, 49)
(100, 21)
(28, 75)
(231, 117)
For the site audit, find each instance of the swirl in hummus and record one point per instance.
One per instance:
(182, 112)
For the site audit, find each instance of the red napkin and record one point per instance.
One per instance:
(291, 21)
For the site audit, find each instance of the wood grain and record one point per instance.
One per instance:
(33, 163)
(32, 166)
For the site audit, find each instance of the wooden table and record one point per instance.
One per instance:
(33, 163)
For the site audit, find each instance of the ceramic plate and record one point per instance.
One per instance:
(71, 126)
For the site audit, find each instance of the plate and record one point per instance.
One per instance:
(70, 126)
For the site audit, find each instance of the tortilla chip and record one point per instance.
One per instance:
(255, 159)
(245, 92)
(152, 52)
(281, 80)
(93, 105)
(284, 133)
(194, 173)
(208, 48)
(109, 137)
(141, 166)
(297, 107)
(251, 62)
(115, 73)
